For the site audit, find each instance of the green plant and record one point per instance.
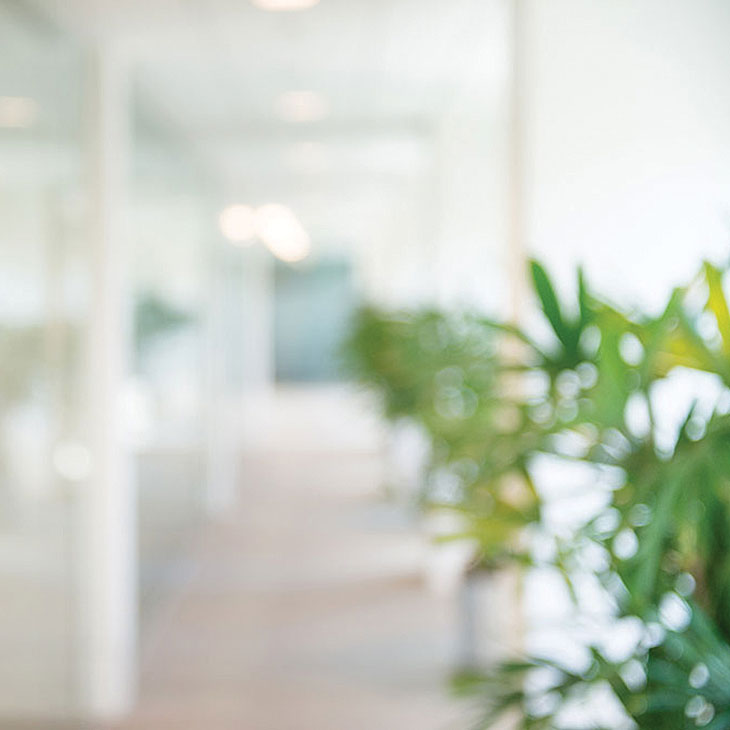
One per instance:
(588, 393)
(154, 317)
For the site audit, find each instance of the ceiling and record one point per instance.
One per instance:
(218, 68)
(386, 74)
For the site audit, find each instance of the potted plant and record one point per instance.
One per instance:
(594, 393)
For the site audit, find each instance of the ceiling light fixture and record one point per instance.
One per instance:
(284, 5)
(281, 231)
(238, 223)
(301, 106)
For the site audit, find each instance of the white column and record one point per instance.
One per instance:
(107, 556)
(517, 208)
(220, 491)
(256, 300)
(258, 319)
(512, 580)
(241, 366)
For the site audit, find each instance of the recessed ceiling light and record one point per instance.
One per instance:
(238, 223)
(301, 106)
(17, 111)
(281, 231)
(284, 5)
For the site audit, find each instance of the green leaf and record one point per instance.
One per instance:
(549, 303)
(717, 304)
(584, 303)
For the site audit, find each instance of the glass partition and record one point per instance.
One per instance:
(43, 291)
(171, 255)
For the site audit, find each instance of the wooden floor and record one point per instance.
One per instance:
(304, 610)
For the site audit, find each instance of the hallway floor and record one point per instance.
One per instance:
(304, 610)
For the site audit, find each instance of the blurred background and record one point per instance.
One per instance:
(202, 524)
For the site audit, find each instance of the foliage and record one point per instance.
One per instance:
(495, 401)
(154, 317)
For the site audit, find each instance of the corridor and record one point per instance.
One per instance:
(252, 256)
(305, 610)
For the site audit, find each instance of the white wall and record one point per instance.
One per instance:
(628, 149)
(471, 218)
